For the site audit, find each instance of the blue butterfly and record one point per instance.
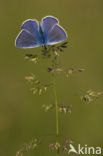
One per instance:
(34, 34)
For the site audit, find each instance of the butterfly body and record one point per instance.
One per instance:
(42, 38)
(34, 34)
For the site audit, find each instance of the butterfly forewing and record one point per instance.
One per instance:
(30, 36)
(48, 23)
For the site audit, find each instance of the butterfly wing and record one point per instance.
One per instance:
(47, 24)
(53, 32)
(29, 37)
(56, 35)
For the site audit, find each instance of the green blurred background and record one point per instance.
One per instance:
(21, 116)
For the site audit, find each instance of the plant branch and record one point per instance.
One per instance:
(56, 105)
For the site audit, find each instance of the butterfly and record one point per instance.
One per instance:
(34, 34)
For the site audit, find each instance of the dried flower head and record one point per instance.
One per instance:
(56, 146)
(64, 109)
(47, 107)
(66, 144)
(37, 85)
(91, 95)
(73, 70)
(28, 146)
(32, 57)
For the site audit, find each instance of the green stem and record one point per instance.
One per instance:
(56, 106)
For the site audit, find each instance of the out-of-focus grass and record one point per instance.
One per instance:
(21, 116)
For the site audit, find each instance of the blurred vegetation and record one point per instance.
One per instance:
(21, 116)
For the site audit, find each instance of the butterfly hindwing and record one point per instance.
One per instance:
(29, 36)
(56, 35)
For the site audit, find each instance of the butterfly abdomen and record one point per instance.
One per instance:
(42, 37)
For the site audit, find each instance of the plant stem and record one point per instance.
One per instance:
(56, 105)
